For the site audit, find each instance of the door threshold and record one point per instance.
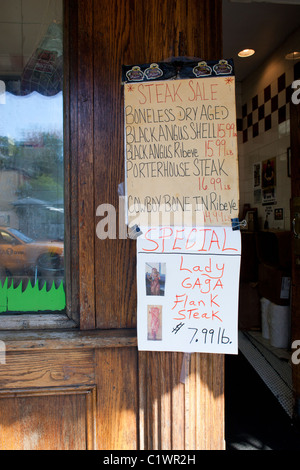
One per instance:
(274, 367)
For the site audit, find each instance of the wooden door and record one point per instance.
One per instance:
(87, 387)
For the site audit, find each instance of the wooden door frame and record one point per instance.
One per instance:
(295, 287)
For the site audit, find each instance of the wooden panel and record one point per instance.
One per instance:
(86, 213)
(117, 398)
(54, 419)
(153, 410)
(104, 381)
(172, 28)
(115, 258)
(51, 368)
(187, 414)
(162, 396)
(204, 390)
(70, 96)
(65, 340)
(37, 322)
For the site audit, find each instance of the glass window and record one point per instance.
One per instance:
(31, 156)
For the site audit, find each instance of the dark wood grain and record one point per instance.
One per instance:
(132, 32)
(33, 419)
(71, 160)
(50, 369)
(85, 155)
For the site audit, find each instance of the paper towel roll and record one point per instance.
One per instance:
(265, 321)
(279, 324)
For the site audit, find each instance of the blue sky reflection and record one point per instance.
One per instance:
(20, 116)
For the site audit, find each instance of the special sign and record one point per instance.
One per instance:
(181, 151)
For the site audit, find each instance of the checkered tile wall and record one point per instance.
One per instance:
(268, 109)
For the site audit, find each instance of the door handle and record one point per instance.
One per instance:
(296, 234)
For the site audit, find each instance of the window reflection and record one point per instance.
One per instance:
(31, 152)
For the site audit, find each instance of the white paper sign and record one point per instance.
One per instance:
(188, 284)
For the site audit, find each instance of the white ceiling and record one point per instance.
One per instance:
(257, 24)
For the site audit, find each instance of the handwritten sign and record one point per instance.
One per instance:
(188, 280)
(181, 151)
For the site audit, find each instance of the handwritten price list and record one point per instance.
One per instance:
(181, 149)
(195, 272)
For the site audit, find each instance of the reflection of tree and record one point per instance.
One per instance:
(41, 184)
(8, 151)
(40, 155)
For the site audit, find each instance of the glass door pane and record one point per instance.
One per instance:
(31, 156)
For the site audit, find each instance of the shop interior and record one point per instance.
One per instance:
(264, 80)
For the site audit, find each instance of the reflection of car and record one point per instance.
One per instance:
(20, 254)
